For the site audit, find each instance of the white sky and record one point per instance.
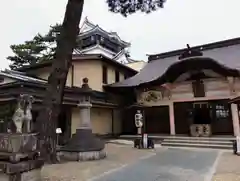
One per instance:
(180, 22)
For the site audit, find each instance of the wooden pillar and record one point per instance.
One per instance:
(235, 119)
(171, 119)
(68, 124)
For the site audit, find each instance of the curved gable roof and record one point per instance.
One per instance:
(226, 56)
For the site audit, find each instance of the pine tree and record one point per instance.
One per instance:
(40, 48)
(25, 54)
(50, 42)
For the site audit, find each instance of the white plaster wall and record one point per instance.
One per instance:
(122, 58)
(137, 65)
(7, 80)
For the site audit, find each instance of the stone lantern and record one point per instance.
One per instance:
(84, 145)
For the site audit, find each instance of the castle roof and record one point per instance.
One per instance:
(89, 28)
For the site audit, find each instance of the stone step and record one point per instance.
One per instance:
(200, 138)
(195, 145)
(220, 138)
(210, 142)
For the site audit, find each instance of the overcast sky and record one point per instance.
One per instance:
(180, 22)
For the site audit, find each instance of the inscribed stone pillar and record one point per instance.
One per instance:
(171, 119)
(85, 115)
(235, 119)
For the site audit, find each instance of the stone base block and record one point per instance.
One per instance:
(84, 141)
(33, 175)
(24, 166)
(82, 156)
(18, 143)
(138, 143)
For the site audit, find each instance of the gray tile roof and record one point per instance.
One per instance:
(20, 76)
(228, 56)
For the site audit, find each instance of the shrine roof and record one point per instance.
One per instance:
(203, 48)
(223, 55)
(21, 76)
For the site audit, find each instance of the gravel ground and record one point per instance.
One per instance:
(228, 168)
(117, 156)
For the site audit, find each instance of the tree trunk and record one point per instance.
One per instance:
(48, 117)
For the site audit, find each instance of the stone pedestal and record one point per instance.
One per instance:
(84, 145)
(144, 143)
(19, 157)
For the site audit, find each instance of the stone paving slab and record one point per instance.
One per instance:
(228, 168)
(117, 156)
(170, 165)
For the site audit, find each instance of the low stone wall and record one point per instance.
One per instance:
(19, 157)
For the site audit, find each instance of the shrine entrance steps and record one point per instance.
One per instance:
(214, 142)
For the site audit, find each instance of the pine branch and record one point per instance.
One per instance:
(127, 7)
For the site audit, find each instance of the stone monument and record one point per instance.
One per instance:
(142, 141)
(19, 157)
(84, 145)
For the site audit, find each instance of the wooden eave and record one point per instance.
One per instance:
(12, 91)
(72, 95)
(235, 100)
(79, 57)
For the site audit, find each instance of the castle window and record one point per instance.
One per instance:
(117, 76)
(104, 74)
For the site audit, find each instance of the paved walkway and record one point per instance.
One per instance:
(117, 156)
(170, 165)
(125, 163)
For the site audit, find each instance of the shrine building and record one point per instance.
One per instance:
(192, 91)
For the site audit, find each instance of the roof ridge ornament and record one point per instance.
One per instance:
(190, 52)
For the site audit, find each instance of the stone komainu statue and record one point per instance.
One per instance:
(22, 117)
